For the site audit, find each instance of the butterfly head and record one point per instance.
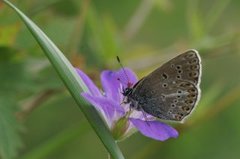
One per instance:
(127, 91)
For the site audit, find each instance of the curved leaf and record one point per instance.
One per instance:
(72, 81)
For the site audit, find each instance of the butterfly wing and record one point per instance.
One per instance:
(171, 91)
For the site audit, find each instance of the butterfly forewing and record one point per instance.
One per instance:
(171, 91)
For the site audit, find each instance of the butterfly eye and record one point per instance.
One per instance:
(127, 91)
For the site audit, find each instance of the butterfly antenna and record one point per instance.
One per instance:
(118, 59)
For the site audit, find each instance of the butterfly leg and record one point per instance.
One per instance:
(145, 116)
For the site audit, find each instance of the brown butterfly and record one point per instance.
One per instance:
(171, 91)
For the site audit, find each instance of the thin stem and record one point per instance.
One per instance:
(138, 18)
(109, 156)
(33, 103)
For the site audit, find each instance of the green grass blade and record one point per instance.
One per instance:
(72, 81)
(10, 140)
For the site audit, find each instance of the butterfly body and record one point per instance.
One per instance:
(171, 91)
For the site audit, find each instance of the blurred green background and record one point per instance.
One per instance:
(40, 120)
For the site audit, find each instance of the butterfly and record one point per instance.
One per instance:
(170, 92)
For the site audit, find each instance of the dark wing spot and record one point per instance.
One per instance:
(192, 90)
(190, 55)
(191, 96)
(180, 71)
(193, 61)
(193, 74)
(165, 76)
(186, 108)
(173, 105)
(179, 91)
(194, 67)
(178, 116)
(178, 67)
(175, 100)
(179, 77)
(153, 92)
(185, 84)
(164, 85)
(189, 101)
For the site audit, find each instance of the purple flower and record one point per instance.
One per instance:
(109, 103)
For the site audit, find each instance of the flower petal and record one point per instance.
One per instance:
(109, 108)
(91, 86)
(126, 76)
(111, 81)
(111, 85)
(154, 129)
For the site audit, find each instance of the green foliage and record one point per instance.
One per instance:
(9, 129)
(57, 142)
(10, 86)
(72, 81)
(102, 38)
(145, 34)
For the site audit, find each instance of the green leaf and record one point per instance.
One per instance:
(73, 82)
(9, 138)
